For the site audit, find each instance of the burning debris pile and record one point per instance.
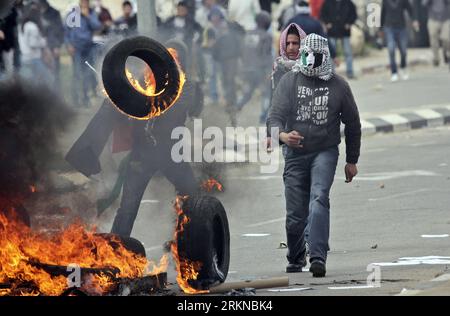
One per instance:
(36, 264)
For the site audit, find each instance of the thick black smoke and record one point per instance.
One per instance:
(31, 118)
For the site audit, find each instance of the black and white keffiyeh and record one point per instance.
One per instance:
(315, 59)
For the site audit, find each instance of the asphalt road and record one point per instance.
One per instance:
(402, 193)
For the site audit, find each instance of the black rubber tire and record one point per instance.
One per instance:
(131, 244)
(120, 90)
(206, 239)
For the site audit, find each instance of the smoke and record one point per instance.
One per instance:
(31, 118)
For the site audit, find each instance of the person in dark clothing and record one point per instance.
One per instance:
(104, 16)
(226, 40)
(266, 5)
(290, 43)
(80, 45)
(183, 26)
(308, 107)
(338, 17)
(256, 61)
(393, 23)
(439, 28)
(53, 30)
(309, 24)
(127, 23)
(8, 37)
(151, 148)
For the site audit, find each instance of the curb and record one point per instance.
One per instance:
(417, 119)
(385, 67)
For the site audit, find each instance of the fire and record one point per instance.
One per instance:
(20, 246)
(186, 269)
(150, 83)
(210, 184)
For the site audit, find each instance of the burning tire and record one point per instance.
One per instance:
(164, 68)
(206, 239)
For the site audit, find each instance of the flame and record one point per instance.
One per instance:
(32, 189)
(77, 244)
(186, 270)
(210, 184)
(150, 83)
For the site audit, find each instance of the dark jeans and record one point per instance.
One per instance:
(397, 37)
(144, 163)
(308, 179)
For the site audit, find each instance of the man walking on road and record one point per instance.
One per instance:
(308, 106)
(439, 27)
(339, 16)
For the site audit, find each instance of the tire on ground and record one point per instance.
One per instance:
(126, 98)
(206, 239)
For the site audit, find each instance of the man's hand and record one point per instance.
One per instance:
(2, 35)
(269, 147)
(347, 26)
(293, 139)
(416, 26)
(329, 26)
(350, 172)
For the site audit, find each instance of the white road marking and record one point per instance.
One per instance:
(356, 287)
(294, 289)
(410, 261)
(255, 235)
(435, 236)
(383, 176)
(277, 220)
(149, 201)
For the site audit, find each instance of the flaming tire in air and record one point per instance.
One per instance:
(166, 71)
(206, 240)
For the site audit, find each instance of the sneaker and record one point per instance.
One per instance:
(318, 269)
(394, 78)
(295, 267)
(404, 74)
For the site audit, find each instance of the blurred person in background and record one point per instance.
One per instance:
(32, 45)
(393, 24)
(244, 12)
(8, 42)
(439, 28)
(127, 23)
(225, 39)
(266, 5)
(338, 17)
(53, 29)
(256, 63)
(80, 45)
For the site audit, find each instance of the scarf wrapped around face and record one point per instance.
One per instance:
(315, 60)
